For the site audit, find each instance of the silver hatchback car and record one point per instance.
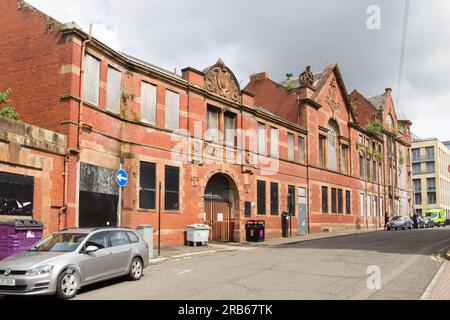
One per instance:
(65, 261)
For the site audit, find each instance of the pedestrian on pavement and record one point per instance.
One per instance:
(386, 220)
(416, 226)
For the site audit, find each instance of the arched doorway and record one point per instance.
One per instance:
(221, 199)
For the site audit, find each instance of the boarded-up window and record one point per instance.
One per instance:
(274, 149)
(262, 139)
(274, 199)
(113, 90)
(148, 103)
(324, 199)
(344, 159)
(301, 149)
(369, 205)
(230, 129)
(361, 204)
(261, 197)
(332, 151)
(212, 124)
(172, 188)
(172, 110)
(91, 79)
(147, 186)
(291, 147)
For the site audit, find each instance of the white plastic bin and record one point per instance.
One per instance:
(197, 233)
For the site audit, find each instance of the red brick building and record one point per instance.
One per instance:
(196, 145)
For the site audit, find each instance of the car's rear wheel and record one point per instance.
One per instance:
(136, 269)
(67, 286)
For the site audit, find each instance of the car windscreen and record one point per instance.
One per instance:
(433, 215)
(59, 242)
(397, 218)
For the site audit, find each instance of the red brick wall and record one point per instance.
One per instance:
(33, 53)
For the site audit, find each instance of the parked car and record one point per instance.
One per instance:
(399, 222)
(425, 222)
(65, 261)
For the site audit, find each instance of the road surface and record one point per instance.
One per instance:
(333, 268)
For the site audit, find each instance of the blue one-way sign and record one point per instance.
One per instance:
(122, 178)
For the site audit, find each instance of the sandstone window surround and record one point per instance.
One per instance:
(113, 90)
(172, 110)
(91, 79)
(148, 103)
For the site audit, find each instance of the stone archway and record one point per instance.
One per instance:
(221, 203)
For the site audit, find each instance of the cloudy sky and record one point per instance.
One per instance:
(283, 37)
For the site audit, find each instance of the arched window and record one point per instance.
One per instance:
(390, 121)
(332, 148)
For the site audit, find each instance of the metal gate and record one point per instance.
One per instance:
(219, 218)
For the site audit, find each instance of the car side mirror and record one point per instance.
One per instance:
(91, 249)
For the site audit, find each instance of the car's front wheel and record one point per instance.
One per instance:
(67, 286)
(135, 269)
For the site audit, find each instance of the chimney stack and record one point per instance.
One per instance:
(259, 76)
(388, 90)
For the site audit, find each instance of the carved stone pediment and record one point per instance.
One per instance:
(220, 80)
(332, 98)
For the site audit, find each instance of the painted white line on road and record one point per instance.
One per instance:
(427, 294)
(184, 272)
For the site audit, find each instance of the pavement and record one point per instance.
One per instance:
(439, 288)
(381, 265)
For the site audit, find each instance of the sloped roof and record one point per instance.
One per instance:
(147, 64)
(378, 101)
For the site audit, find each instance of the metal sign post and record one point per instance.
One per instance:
(122, 180)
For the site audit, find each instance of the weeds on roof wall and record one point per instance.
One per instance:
(6, 110)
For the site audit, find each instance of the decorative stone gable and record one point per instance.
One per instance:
(332, 97)
(220, 80)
